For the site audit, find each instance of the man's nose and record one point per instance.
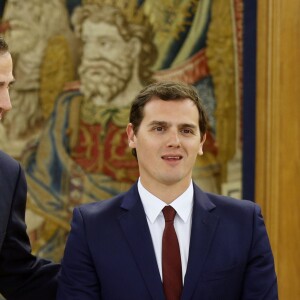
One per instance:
(173, 139)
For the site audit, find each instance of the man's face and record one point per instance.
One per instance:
(24, 24)
(107, 62)
(167, 142)
(6, 78)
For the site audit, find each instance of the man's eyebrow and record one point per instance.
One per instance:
(190, 125)
(164, 123)
(158, 123)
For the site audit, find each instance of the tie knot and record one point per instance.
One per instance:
(169, 213)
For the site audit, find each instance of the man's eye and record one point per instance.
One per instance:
(187, 131)
(159, 128)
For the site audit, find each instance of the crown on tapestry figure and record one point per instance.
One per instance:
(130, 9)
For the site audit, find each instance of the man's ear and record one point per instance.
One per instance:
(131, 136)
(200, 152)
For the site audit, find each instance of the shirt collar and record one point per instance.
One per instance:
(153, 205)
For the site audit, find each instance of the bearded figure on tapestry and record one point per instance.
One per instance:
(82, 154)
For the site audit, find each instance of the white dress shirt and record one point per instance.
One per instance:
(183, 222)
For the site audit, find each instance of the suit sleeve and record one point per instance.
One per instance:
(260, 280)
(78, 279)
(22, 275)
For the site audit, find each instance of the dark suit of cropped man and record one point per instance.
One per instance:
(110, 255)
(22, 275)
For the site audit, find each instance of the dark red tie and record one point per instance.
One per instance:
(171, 262)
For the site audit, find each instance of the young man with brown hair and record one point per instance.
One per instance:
(166, 238)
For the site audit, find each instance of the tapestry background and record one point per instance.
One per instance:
(79, 64)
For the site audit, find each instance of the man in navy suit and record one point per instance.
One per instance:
(116, 248)
(22, 275)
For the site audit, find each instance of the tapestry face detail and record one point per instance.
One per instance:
(78, 66)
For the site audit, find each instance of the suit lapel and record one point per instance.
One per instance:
(134, 225)
(204, 224)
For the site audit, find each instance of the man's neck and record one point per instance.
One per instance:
(164, 191)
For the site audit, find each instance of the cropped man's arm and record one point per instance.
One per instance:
(22, 275)
(78, 279)
(260, 280)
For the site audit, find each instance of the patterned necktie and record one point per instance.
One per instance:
(171, 262)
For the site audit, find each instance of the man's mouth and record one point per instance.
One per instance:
(171, 157)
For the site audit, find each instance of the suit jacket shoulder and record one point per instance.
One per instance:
(8, 166)
(107, 213)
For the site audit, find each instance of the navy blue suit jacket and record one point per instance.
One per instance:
(109, 253)
(22, 275)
